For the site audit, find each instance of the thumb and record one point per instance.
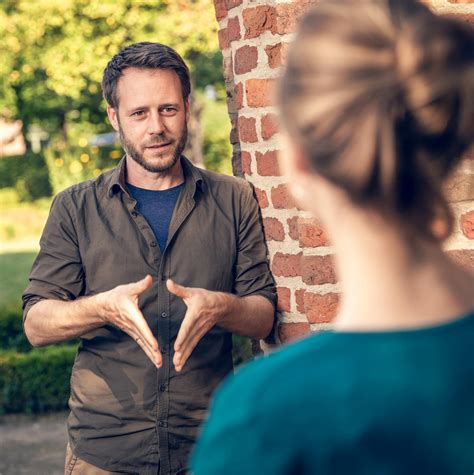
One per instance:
(142, 285)
(177, 289)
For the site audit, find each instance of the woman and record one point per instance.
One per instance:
(377, 105)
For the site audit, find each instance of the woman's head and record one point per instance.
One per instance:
(379, 97)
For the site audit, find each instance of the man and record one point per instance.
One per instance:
(153, 265)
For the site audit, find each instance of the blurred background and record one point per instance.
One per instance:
(54, 133)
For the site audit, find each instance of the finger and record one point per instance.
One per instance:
(181, 357)
(140, 286)
(141, 329)
(151, 355)
(176, 289)
(189, 321)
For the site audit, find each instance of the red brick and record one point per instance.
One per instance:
(288, 16)
(234, 131)
(317, 270)
(260, 92)
(232, 3)
(246, 159)
(223, 37)
(261, 197)
(233, 26)
(293, 227)
(267, 163)
(239, 95)
(221, 9)
(284, 296)
(269, 126)
(311, 234)
(245, 59)
(320, 308)
(293, 331)
(286, 265)
(464, 258)
(276, 54)
(247, 131)
(299, 296)
(281, 197)
(273, 229)
(467, 224)
(468, 17)
(258, 20)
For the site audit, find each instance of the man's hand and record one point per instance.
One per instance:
(120, 308)
(204, 311)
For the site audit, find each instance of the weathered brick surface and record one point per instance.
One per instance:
(289, 332)
(221, 9)
(317, 270)
(293, 228)
(276, 54)
(320, 308)
(269, 124)
(245, 59)
(258, 20)
(273, 229)
(246, 159)
(463, 257)
(260, 92)
(286, 265)
(267, 163)
(247, 130)
(239, 95)
(232, 3)
(281, 198)
(311, 234)
(261, 197)
(467, 224)
(284, 296)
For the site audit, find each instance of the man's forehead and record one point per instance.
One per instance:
(142, 82)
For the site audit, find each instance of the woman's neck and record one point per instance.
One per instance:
(390, 280)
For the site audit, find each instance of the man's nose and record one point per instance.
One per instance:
(155, 124)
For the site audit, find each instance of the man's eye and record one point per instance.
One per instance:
(138, 113)
(169, 110)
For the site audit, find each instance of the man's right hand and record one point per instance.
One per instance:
(119, 307)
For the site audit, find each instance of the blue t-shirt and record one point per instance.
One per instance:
(157, 207)
(368, 403)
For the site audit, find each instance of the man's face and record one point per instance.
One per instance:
(151, 118)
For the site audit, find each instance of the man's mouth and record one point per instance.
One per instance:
(159, 146)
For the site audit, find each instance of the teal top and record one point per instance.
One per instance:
(383, 403)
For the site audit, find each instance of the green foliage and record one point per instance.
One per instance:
(28, 174)
(217, 149)
(14, 270)
(242, 349)
(37, 381)
(12, 336)
(54, 52)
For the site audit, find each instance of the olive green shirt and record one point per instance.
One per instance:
(126, 415)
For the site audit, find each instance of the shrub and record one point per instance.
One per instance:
(28, 174)
(12, 336)
(36, 382)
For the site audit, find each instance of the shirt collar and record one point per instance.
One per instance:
(117, 180)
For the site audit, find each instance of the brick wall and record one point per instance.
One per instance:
(254, 36)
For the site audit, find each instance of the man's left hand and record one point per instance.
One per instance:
(205, 308)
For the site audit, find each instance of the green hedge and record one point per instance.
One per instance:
(36, 382)
(12, 336)
(28, 174)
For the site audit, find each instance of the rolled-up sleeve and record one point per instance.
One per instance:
(57, 271)
(252, 272)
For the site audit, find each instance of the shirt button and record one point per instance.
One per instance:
(162, 424)
(134, 214)
(163, 277)
(164, 315)
(164, 350)
(163, 387)
(153, 244)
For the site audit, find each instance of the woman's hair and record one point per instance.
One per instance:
(380, 96)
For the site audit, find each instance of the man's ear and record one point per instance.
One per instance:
(113, 117)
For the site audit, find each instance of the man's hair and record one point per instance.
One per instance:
(144, 55)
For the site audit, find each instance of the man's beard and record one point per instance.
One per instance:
(134, 153)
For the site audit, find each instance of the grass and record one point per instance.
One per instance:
(14, 270)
